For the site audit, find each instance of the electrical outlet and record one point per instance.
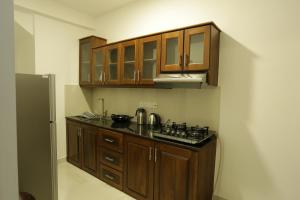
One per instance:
(155, 106)
(142, 104)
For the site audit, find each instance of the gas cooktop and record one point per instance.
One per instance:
(182, 133)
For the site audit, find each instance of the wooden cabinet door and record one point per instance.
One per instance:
(85, 69)
(89, 150)
(149, 59)
(172, 51)
(98, 65)
(139, 168)
(74, 143)
(129, 65)
(112, 67)
(197, 48)
(172, 173)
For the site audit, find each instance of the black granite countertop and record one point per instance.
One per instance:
(132, 128)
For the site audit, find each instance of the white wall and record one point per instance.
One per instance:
(8, 134)
(24, 43)
(24, 51)
(57, 52)
(57, 11)
(56, 49)
(181, 105)
(259, 85)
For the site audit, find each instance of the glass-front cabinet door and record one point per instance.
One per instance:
(86, 70)
(129, 72)
(112, 74)
(85, 62)
(98, 65)
(149, 57)
(172, 51)
(196, 48)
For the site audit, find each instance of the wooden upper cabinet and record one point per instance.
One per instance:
(196, 48)
(129, 62)
(85, 58)
(172, 173)
(172, 51)
(134, 62)
(139, 168)
(98, 65)
(149, 59)
(112, 72)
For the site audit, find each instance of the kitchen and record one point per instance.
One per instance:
(248, 109)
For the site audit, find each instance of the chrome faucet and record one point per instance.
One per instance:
(104, 112)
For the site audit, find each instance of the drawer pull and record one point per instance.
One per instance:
(109, 140)
(109, 177)
(110, 159)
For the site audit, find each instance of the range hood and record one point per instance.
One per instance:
(180, 80)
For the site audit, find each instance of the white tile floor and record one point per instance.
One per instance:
(75, 184)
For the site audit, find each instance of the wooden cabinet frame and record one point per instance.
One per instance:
(106, 74)
(188, 33)
(210, 64)
(82, 82)
(95, 51)
(94, 43)
(156, 170)
(165, 37)
(142, 41)
(122, 61)
(135, 186)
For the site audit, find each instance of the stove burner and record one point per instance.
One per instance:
(182, 133)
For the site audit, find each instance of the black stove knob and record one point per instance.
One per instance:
(183, 134)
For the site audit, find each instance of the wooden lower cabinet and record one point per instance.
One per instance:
(89, 149)
(172, 173)
(143, 168)
(111, 176)
(82, 146)
(159, 171)
(139, 168)
(74, 143)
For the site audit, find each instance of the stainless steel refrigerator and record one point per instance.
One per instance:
(37, 160)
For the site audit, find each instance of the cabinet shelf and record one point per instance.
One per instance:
(150, 60)
(129, 62)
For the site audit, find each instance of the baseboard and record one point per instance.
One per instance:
(61, 160)
(218, 198)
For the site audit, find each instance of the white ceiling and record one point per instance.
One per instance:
(94, 7)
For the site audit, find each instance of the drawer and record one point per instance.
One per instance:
(111, 159)
(111, 140)
(111, 176)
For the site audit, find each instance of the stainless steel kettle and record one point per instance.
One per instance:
(154, 119)
(141, 116)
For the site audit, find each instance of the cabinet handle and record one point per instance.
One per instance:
(104, 77)
(109, 177)
(155, 156)
(134, 75)
(138, 73)
(79, 132)
(101, 75)
(109, 140)
(187, 60)
(180, 60)
(150, 153)
(109, 159)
